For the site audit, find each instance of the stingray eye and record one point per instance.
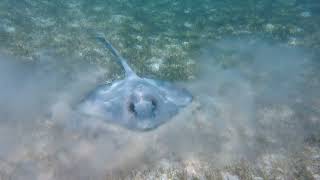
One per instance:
(131, 107)
(154, 103)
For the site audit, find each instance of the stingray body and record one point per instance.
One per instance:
(135, 102)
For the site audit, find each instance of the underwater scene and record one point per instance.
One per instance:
(160, 89)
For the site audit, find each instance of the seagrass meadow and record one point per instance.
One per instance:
(252, 67)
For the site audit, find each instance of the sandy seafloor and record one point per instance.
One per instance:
(252, 66)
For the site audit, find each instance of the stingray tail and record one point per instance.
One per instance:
(114, 52)
(108, 45)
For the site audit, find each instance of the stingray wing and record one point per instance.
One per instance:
(105, 101)
(175, 94)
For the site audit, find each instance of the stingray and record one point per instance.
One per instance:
(135, 102)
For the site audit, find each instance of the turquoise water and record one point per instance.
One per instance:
(252, 66)
(147, 31)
